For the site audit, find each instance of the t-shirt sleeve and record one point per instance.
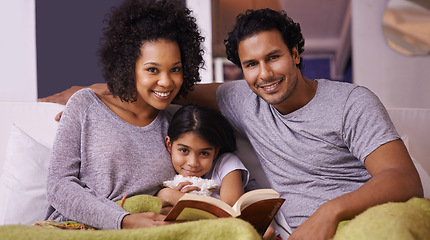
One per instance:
(227, 163)
(367, 124)
(230, 97)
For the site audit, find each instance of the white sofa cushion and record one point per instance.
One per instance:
(412, 124)
(34, 118)
(23, 180)
(24, 156)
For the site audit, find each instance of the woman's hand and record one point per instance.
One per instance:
(143, 220)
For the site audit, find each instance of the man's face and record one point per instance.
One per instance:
(268, 66)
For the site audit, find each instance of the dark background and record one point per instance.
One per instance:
(67, 39)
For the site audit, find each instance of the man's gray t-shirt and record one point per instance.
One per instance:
(317, 152)
(97, 158)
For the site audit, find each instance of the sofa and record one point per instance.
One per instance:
(28, 131)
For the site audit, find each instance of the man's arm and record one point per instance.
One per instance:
(394, 179)
(64, 96)
(203, 94)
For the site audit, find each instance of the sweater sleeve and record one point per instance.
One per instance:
(66, 193)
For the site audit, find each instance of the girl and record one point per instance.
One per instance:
(111, 145)
(201, 142)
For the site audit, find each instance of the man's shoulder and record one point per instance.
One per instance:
(336, 84)
(235, 84)
(342, 90)
(234, 89)
(349, 90)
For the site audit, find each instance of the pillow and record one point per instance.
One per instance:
(23, 182)
(424, 176)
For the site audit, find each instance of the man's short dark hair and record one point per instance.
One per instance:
(255, 21)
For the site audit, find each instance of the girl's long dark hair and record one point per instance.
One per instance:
(205, 123)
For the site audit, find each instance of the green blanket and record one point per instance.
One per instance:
(226, 228)
(402, 221)
(393, 221)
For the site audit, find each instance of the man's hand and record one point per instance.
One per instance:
(61, 97)
(394, 179)
(64, 96)
(143, 220)
(321, 225)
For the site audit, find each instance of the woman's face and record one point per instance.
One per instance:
(158, 73)
(191, 155)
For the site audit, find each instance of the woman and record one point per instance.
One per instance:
(111, 145)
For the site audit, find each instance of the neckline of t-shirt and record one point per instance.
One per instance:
(305, 107)
(155, 123)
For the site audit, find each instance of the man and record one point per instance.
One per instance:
(329, 148)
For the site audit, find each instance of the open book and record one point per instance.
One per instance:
(258, 207)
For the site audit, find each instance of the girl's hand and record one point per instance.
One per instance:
(171, 196)
(143, 220)
(270, 233)
(183, 187)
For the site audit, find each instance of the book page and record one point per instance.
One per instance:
(254, 196)
(192, 214)
(214, 201)
(195, 205)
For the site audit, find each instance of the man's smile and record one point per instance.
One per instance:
(271, 86)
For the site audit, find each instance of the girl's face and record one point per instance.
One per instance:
(158, 73)
(191, 155)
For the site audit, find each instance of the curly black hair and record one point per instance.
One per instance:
(137, 21)
(255, 21)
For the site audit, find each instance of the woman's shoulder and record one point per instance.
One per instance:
(84, 95)
(78, 104)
